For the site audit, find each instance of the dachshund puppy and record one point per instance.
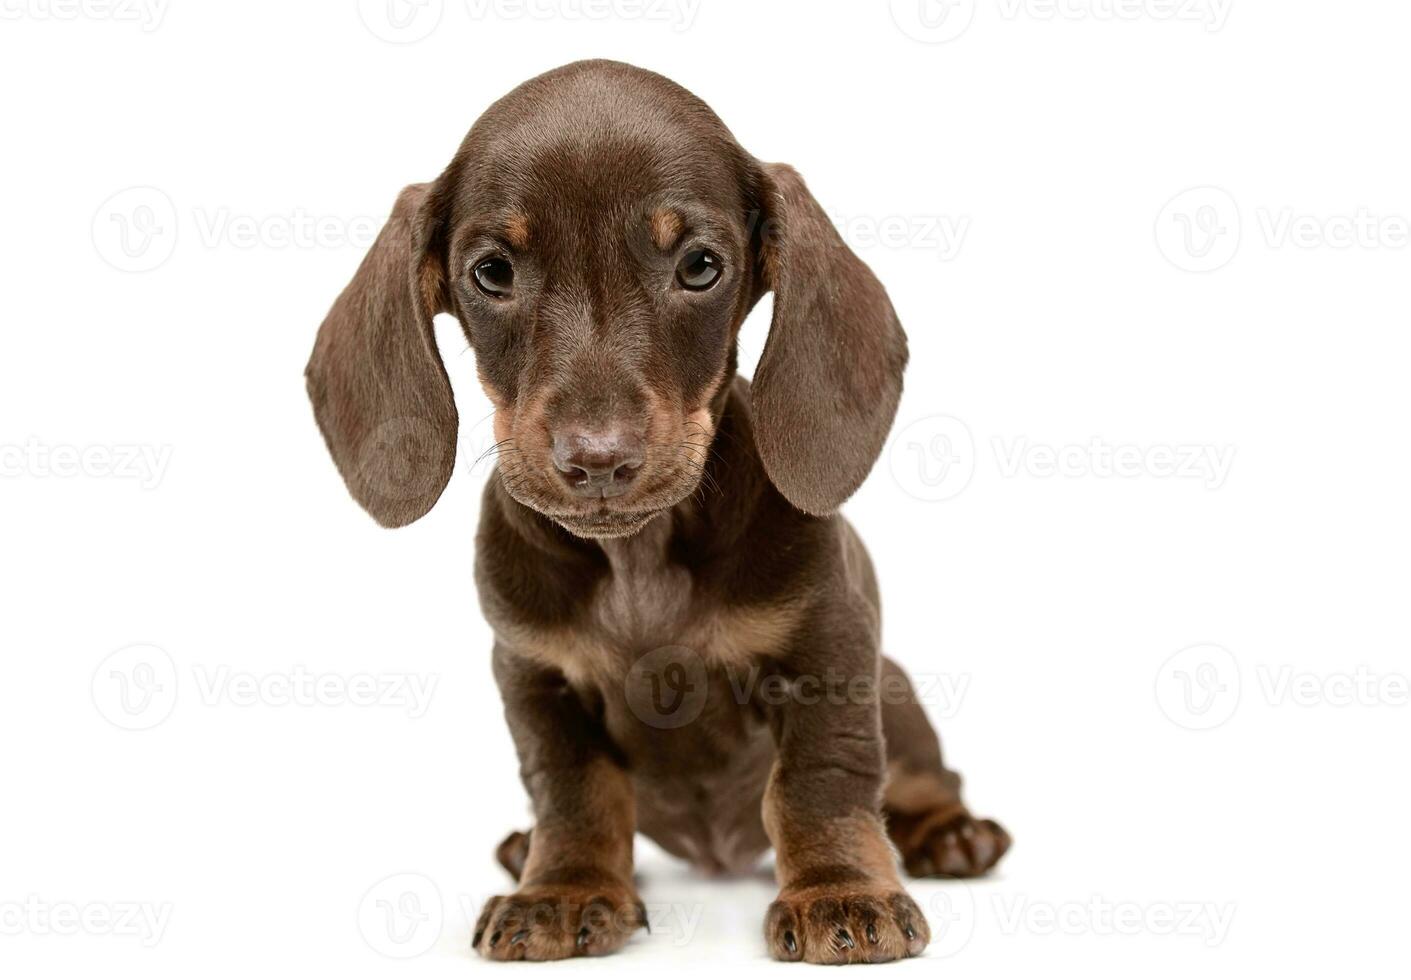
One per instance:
(686, 634)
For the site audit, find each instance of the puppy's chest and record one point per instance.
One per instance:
(642, 611)
(644, 603)
(648, 604)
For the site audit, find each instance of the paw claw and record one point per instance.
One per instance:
(552, 922)
(823, 924)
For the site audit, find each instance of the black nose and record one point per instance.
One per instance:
(598, 464)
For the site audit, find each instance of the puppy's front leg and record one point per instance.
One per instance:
(840, 899)
(575, 894)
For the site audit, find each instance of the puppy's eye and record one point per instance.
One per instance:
(699, 269)
(495, 277)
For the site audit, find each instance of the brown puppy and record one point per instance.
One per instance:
(686, 635)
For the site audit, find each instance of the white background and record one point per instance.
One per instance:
(1234, 808)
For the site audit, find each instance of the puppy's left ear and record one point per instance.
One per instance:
(827, 385)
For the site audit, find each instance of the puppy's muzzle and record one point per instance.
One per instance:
(598, 464)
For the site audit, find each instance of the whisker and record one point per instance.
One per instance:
(493, 450)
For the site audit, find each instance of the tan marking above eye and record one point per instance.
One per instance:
(517, 230)
(666, 228)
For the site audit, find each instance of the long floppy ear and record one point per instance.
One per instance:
(828, 382)
(379, 389)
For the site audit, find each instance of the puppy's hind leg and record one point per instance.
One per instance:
(926, 819)
(513, 852)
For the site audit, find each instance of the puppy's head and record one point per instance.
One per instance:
(600, 237)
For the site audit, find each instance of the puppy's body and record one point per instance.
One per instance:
(686, 633)
(696, 588)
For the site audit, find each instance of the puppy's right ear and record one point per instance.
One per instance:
(378, 387)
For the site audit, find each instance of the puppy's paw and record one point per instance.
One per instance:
(951, 844)
(846, 924)
(554, 922)
(513, 852)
